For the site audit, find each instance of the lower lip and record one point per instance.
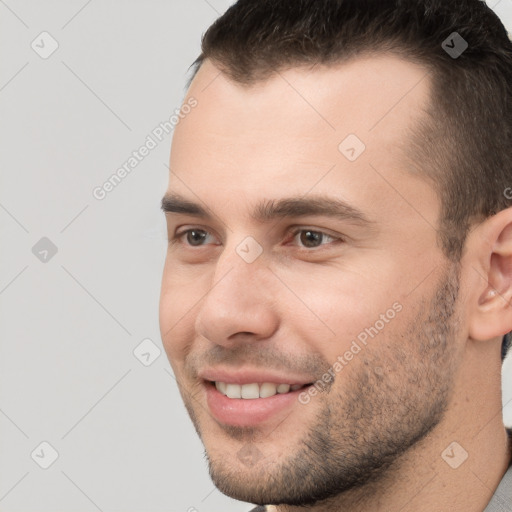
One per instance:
(242, 412)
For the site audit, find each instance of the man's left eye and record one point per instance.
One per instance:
(309, 238)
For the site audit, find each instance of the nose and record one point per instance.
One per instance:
(240, 306)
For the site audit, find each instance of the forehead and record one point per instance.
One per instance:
(366, 93)
(340, 128)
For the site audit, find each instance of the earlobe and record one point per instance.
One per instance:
(491, 315)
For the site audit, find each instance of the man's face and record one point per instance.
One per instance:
(354, 309)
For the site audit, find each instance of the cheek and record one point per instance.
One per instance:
(343, 311)
(336, 303)
(176, 310)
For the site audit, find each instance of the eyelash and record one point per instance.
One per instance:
(178, 236)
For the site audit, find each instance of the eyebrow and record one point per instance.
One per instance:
(273, 209)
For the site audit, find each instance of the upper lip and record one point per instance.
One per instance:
(250, 376)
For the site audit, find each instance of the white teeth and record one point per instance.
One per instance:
(283, 388)
(267, 389)
(233, 391)
(251, 391)
(221, 386)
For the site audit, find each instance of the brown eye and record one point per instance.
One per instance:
(195, 236)
(311, 239)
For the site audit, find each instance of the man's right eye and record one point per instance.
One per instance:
(194, 237)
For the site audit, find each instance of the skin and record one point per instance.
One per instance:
(432, 374)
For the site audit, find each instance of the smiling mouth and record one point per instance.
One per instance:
(251, 404)
(255, 390)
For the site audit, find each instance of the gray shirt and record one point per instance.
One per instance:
(501, 500)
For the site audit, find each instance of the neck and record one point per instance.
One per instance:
(436, 472)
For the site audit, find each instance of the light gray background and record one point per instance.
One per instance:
(69, 326)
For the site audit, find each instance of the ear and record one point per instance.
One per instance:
(491, 311)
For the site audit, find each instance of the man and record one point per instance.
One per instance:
(338, 279)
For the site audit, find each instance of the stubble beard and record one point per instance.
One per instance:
(364, 426)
